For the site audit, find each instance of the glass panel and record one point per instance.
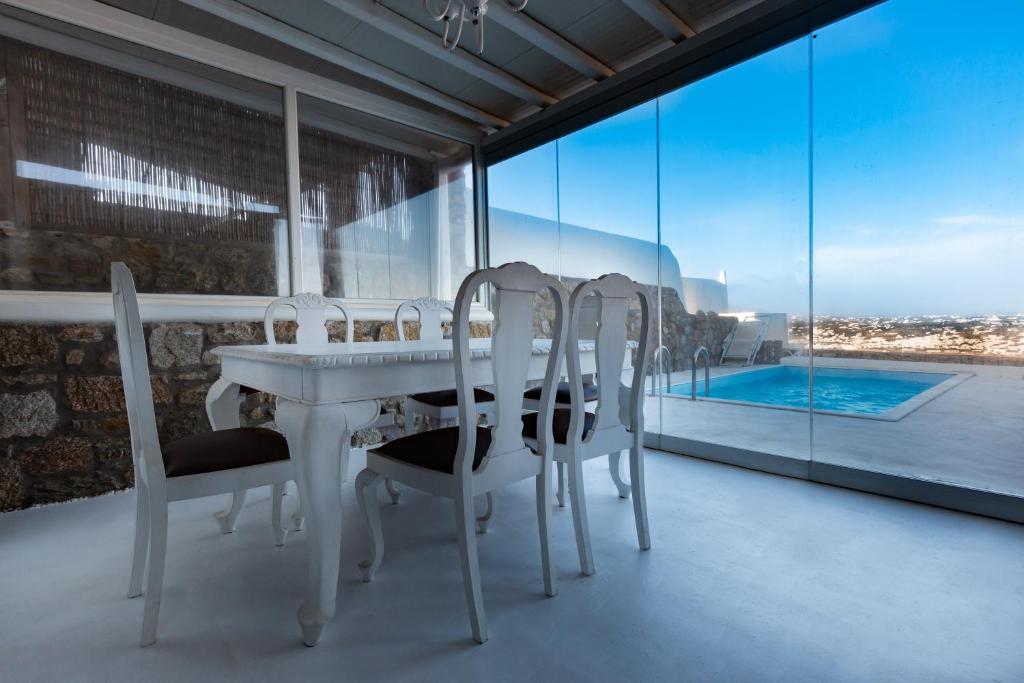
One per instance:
(919, 241)
(581, 207)
(734, 263)
(387, 211)
(608, 209)
(522, 198)
(116, 152)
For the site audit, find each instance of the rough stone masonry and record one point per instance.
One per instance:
(63, 426)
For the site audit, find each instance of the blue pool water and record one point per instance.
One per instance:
(866, 392)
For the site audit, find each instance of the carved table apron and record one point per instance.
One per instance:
(324, 393)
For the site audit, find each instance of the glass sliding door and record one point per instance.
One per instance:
(608, 218)
(735, 234)
(919, 245)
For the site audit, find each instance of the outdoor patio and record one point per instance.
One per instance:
(964, 449)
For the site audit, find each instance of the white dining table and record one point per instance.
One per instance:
(324, 394)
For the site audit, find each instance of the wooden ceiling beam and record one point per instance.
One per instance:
(397, 26)
(662, 18)
(548, 41)
(252, 19)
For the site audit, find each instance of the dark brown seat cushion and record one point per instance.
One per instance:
(590, 393)
(435, 449)
(226, 449)
(560, 422)
(447, 398)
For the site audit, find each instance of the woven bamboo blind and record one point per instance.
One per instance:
(147, 158)
(345, 181)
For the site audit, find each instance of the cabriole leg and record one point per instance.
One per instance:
(313, 433)
(276, 494)
(367, 482)
(484, 520)
(464, 520)
(636, 476)
(544, 526)
(393, 491)
(579, 517)
(560, 496)
(228, 518)
(615, 469)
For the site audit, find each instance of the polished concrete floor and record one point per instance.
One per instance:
(752, 577)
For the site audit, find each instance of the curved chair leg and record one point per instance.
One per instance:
(636, 477)
(544, 526)
(229, 518)
(155, 580)
(393, 491)
(276, 493)
(579, 517)
(484, 520)
(141, 540)
(366, 494)
(560, 496)
(464, 518)
(615, 469)
(297, 518)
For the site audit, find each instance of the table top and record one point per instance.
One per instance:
(367, 353)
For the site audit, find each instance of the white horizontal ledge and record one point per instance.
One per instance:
(97, 307)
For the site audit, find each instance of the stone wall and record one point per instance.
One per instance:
(64, 432)
(36, 258)
(682, 332)
(63, 428)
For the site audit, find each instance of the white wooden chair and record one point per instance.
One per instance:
(468, 460)
(311, 315)
(439, 405)
(207, 464)
(617, 424)
(531, 399)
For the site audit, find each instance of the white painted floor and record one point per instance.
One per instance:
(752, 577)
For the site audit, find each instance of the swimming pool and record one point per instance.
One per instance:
(883, 394)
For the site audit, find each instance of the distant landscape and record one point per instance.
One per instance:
(968, 336)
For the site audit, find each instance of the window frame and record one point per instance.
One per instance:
(71, 306)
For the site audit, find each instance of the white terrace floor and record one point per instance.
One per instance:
(970, 437)
(752, 577)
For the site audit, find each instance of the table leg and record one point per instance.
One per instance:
(314, 433)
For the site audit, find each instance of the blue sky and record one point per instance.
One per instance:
(918, 152)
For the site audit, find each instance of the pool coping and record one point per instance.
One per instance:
(894, 414)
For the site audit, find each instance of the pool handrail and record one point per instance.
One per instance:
(702, 351)
(654, 369)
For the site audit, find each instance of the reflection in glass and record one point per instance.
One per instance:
(178, 172)
(387, 211)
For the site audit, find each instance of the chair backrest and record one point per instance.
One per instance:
(429, 311)
(138, 392)
(311, 315)
(616, 409)
(512, 343)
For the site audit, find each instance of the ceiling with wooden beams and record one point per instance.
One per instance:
(551, 51)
